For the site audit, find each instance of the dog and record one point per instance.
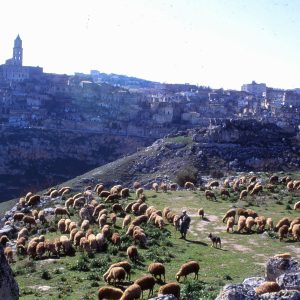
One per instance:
(215, 240)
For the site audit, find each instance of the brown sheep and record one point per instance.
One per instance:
(66, 244)
(99, 188)
(18, 217)
(201, 212)
(72, 234)
(249, 224)
(294, 222)
(250, 187)
(110, 293)
(40, 249)
(116, 239)
(267, 287)
(136, 185)
(125, 193)
(230, 213)
(8, 252)
(106, 231)
(69, 202)
(72, 225)
(296, 232)
(164, 187)
(241, 224)
(226, 183)
(261, 222)
(3, 240)
(189, 186)
(176, 222)
(290, 186)
(29, 220)
(214, 183)
(132, 253)
(28, 195)
(253, 179)
(125, 265)
(281, 222)
(113, 218)
(270, 224)
(283, 232)
(33, 200)
(170, 288)
(188, 268)
(42, 217)
(23, 233)
(117, 208)
(115, 274)
(111, 198)
(230, 224)
(85, 225)
(157, 269)
(274, 179)
(61, 211)
(104, 194)
(93, 242)
(155, 186)
(173, 186)
(79, 202)
(165, 211)
(139, 220)
(243, 194)
(31, 249)
(159, 222)
(146, 283)
(297, 205)
(140, 237)
(139, 192)
(132, 292)
(224, 193)
(54, 194)
(210, 195)
(256, 190)
(142, 209)
(77, 237)
(126, 221)
(61, 225)
(270, 187)
(102, 220)
(100, 238)
(129, 206)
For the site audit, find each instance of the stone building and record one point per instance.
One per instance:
(254, 88)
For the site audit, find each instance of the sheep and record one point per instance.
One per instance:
(77, 237)
(157, 269)
(126, 221)
(50, 247)
(261, 222)
(124, 193)
(210, 195)
(170, 217)
(286, 179)
(31, 249)
(142, 209)
(69, 202)
(176, 222)
(99, 188)
(230, 224)
(61, 211)
(146, 283)
(241, 223)
(100, 239)
(173, 186)
(290, 186)
(60, 191)
(79, 202)
(214, 183)
(28, 195)
(165, 211)
(72, 225)
(136, 185)
(273, 179)
(296, 232)
(3, 240)
(251, 213)
(129, 206)
(164, 187)
(281, 222)
(111, 198)
(139, 192)
(155, 186)
(267, 287)
(66, 244)
(110, 293)
(61, 225)
(8, 252)
(125, 265)
(86, 212)
(282, 232)
(115, 274)
(140, 237)
(102, 220)
(58, 245)
(142, 198)
(226, 183)
(72, 234)
(270, 224)
(54, 194)
(256, 190)
(67, 223)
(294, 222)
(188, 268)
(33, 200)
(250, 187)
(201, 212)
(132, 253)
(41, 216)
(18, 217)
(88, 232)
(253, 179)
(224, 193)
(117, 208)
(189, 186)
(170, 288)
(270, 187)
(66, 191)
(159, 222)
(236, 185)
(22, 202)
(85, 225)
(243, 194)
(230, 213)
(139, 220)
(297, 205)
(249, 224)
(40, 249)
(29, 220)
(104, 194)
(93, 242)
(132, 292)
(116, 239)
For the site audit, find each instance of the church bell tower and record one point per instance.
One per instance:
(18, 52)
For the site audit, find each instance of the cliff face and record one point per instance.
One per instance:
(9, 289)
(32, 159)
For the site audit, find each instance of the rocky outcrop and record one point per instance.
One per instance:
(283, 269)
(9, 289)
(164, 297)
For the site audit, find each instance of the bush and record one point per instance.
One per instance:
(46, 275)
(187, 174)
(194, 290)
(81, 264)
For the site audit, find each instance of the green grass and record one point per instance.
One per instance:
(242, 255)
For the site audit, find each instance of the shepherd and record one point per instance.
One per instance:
(185, 221)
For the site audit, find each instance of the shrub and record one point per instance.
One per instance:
(189, 173)
(45, 275)
(81, 264)
(194, 290)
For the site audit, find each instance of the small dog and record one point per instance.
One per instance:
(215, 240)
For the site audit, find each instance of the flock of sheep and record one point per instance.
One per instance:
(95, 205)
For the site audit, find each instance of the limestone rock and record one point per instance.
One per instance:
(289, 281)
(8, 230)
(164, 297)
(9, 289)
(281, 295)
(237, 292)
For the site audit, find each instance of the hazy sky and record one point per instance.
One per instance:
(222, 43)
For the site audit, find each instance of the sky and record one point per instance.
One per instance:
(216, 43)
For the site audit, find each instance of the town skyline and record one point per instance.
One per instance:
(161, 40)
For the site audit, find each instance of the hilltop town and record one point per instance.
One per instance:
(122, 105)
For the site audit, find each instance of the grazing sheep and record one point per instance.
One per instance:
(261, 222)
(270, 187)
(224, 193)
(135, 207)
(29, 220)
(139, 192)
(176, 222)
(3, 240)
(201, 212)
(230, 213)
(214, 183)
(50, 248)
(188, 268)
(267, 287)
(85, 225)
(77, 237)
(270, 223)
(274, 179)
(125, 265)
(132, 253)
(23, 233)
(72, 225)
(165, 211)
(99, 188)
(136, 185)
(8, 252)
(294, 222)
(297, 205)
(79, 202)
(243, 194)
(253, 179)
(230, 224)
(111, 198)
(106, 231)
(256, 190)
(157, 269)
(113, 218)
(31, 249)
(155, 186)
(110, 293)
(18, 217)
(42, 217)
(125, 193)
(241, 224)
(126, 221)
(210, 195)
(117, 208)
(61, 225)
(164, 187)
(173, 186)
(115, 274)
(66, 244)
(33, 200)
(170, 217)
(73, 233)
(129, 206)
(281, 222)
(28, 195)
(159, 221)
(102, 220)
(86, 212)
(140, 237)
(22, 202)
(100, 239)
(93, 242)
(251, 213)
(226, 183)
(290, 186)
(54, 194)
(142, 209)
(146, 283)
(139, 220)
(40, 249)
(132, 292)
(189, 186)
(296, 232)
(283, 232)
(249, 224)
(61, 211)
(104, 194)
(170, 288)
(116, 239)
(69, 202)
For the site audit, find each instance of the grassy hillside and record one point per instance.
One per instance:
(242, 255)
